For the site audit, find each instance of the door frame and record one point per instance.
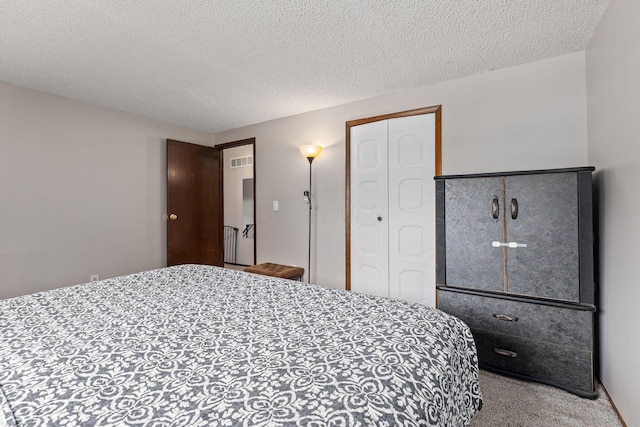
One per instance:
(437, 110)
(233, 144)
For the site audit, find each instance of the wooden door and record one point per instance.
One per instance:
(369, 209)
(392, 207)
(474, 212)
(411, 207)
(194, 205)
(368, 192)
(542, 213)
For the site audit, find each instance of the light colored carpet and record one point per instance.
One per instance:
(511, 402)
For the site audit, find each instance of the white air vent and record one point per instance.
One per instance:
(241, 162)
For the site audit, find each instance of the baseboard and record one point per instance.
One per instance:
(613, 405)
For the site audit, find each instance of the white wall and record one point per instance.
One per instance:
(233, 209)
(82, 191)
(613, 67)
(530, 116)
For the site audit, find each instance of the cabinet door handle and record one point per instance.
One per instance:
(503, 352)
(497, 244)
(505, 317)
(495, 207)
(514, 208)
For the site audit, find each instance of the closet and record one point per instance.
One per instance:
(390, 207)
(515, 262)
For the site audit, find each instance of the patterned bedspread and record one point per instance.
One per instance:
(205, 346)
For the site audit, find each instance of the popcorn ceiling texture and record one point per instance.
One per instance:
(218, 65)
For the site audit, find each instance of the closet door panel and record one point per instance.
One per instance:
(474, 212)
(369, 209)
(411, 207)
(547, 222)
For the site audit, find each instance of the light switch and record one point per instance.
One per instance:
(275, 205)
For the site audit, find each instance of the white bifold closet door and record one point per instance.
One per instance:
(392, 208)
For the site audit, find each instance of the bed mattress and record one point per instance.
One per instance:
(197, 345)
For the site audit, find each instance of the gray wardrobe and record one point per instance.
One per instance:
(514, 256)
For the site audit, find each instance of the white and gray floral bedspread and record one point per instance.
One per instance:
(204, 346)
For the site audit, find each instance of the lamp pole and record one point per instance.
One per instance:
(310, 152)
(310, 208)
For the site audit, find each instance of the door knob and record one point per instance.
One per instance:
(173, 217)
(379, 218)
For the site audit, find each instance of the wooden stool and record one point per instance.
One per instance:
(277, 270)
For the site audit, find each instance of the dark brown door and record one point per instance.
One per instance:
(194, 205)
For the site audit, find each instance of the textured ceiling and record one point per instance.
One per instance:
(219, 64)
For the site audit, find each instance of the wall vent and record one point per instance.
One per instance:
(241, 162)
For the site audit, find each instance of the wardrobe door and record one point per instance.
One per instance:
(474, 212)
(369, 209)
(542, 213)
(411, 207)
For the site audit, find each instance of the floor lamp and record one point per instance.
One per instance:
(310, 152)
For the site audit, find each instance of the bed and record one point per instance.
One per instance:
(195, 345)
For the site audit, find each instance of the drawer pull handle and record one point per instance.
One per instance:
(505, 317)
(504, 352)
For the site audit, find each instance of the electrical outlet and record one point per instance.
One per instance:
(275, 205)
(94, 277)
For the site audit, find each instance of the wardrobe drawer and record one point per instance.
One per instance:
(560, 366)
(558, 325)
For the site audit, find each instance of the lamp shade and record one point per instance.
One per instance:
(310, 151)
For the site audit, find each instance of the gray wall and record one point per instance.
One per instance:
(531, 116)
(613, 70)
(82, 191)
